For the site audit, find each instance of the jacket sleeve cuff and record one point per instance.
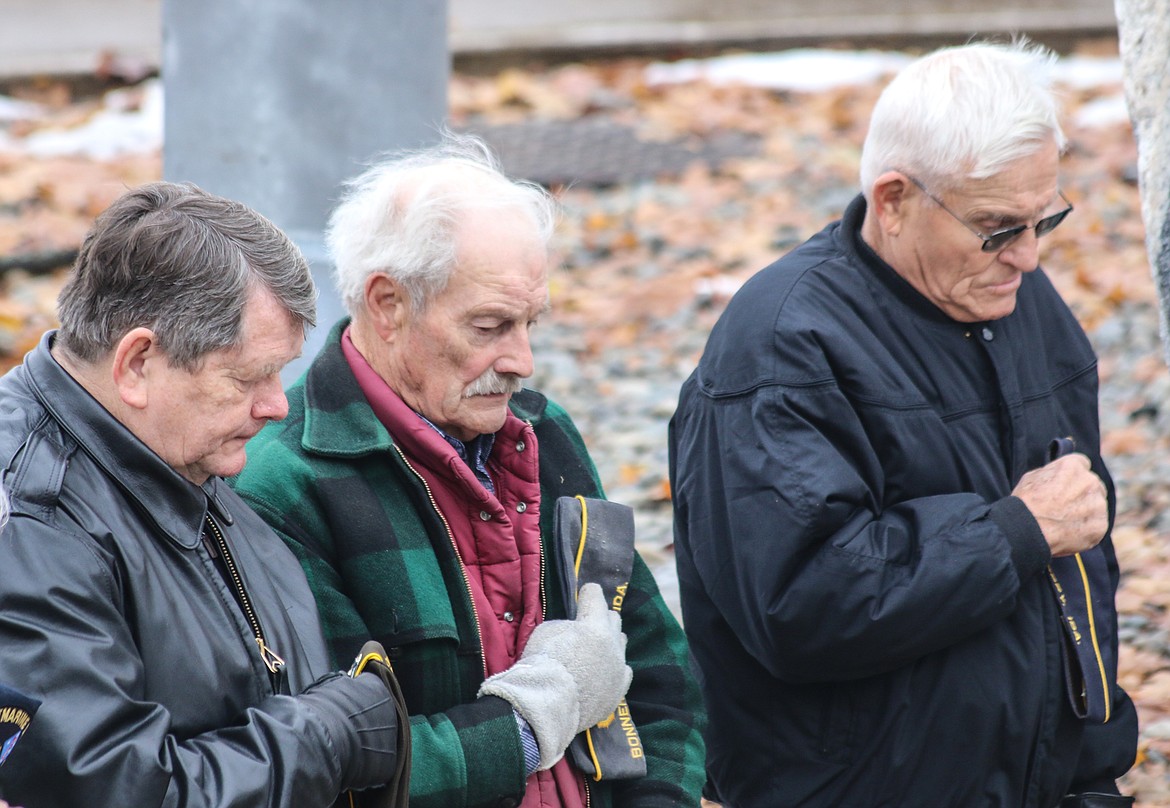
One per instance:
(360, 719)
(1030, 551)
(492, 755)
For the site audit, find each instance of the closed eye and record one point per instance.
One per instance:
(996, 223)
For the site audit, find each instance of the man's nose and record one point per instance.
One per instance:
(1023, 253)
(270, 403)
(517, 356)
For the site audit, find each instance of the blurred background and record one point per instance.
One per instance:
(690, 143)
(70, 35)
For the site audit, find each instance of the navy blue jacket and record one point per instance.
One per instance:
(869, 607)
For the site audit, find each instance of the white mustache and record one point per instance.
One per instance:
(492, 383)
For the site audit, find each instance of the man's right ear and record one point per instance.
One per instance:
(890, 192)
(136, 356)
(387, 305)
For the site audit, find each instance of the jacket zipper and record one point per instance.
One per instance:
(543, 589)
(458, 555)
(543, 596)
(269, 657)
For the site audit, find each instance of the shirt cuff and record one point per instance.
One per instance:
(529, 744)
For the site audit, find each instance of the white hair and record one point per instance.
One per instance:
(401, 216)
(963, 113)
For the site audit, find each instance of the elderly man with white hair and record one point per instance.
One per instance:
(416, 479)
(891, 512)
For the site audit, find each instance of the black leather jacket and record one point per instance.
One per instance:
(112, 612)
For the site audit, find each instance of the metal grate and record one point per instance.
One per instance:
(600, 152)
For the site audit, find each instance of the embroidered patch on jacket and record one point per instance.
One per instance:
(16, 713)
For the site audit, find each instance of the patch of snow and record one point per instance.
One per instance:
(125, 125)
(1106, 111)
(1087, 72)
(13, 109)
(813, 70)
(806, 70)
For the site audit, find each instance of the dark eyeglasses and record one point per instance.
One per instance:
(1001, 238)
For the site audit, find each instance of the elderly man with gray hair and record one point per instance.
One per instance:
(891, 511)
(170, 635)
(416, 479)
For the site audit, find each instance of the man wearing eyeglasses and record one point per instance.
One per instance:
(891, 513)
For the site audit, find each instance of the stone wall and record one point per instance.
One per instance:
(1144, 39)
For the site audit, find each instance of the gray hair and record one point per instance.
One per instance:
(401, 216)
(963, 113)
(183, 263)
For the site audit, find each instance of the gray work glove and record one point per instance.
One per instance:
(571, 675)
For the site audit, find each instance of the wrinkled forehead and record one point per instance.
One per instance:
(502, 257)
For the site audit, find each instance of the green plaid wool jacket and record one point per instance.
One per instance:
(331, 482)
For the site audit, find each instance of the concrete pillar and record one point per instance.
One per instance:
(276, 102)
(1144, 37)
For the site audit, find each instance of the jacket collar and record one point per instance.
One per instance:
(339, 421)
(176, 506)
(850, 240)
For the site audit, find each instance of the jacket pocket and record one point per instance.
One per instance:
(430, 669)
